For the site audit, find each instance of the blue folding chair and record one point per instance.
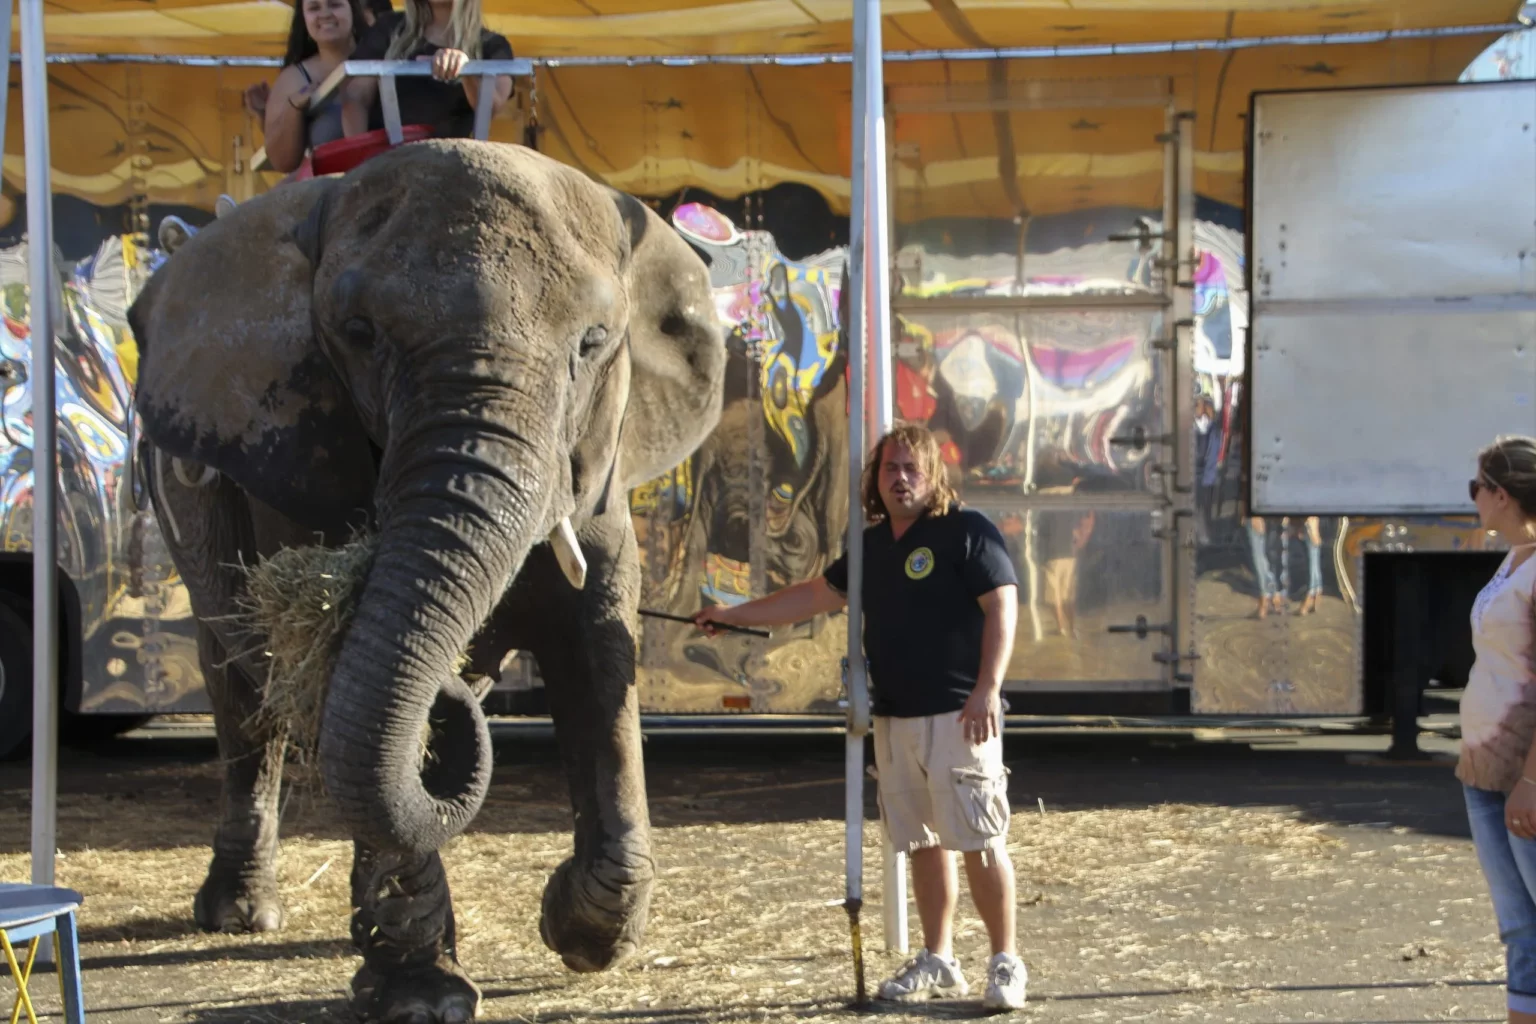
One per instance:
(30, 913)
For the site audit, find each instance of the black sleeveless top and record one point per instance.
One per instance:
(322, 121)
(442, 105)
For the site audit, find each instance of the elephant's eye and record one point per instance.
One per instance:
(594, 339)
(358, 330)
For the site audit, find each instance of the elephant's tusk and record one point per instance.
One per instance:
(568, 553)
(203, 479)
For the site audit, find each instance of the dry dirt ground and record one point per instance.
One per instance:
(1163, 881)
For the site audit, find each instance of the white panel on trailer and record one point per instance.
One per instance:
(1395, 410)
(1413, 193)
(1393, 247)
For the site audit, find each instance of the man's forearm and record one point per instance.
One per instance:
(792, 604)
(996, 642)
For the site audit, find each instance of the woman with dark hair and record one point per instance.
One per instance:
(257, 93)
(322, 35)
(1497, 763)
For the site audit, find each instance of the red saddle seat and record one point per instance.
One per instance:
(342, 155)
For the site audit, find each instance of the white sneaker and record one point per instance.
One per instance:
(924, 977)
(1006, 978)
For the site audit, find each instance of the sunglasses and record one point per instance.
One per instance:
(1476, 484)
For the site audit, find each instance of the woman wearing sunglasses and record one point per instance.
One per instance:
(1497, 765)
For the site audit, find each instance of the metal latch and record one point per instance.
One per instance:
(1141, 627)
(1143, 235)
(1138, 439)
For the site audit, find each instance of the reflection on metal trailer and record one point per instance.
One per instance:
(135, 628)
(1049, 420)
(1104, 436)
(763, 503)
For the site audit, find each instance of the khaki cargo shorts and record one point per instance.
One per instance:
(936, 788)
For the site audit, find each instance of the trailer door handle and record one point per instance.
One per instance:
(1141, 627)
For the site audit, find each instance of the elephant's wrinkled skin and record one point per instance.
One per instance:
(457, 344)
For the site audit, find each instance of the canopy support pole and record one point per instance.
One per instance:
(855, 685)
(45, 601)
(869, 417)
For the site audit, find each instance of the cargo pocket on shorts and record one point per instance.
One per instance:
(983, 799)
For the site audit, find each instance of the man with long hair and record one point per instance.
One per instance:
(940, 604)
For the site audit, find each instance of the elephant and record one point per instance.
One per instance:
(473, 352)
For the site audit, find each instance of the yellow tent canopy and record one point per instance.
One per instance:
(631, 27)
(167, 134)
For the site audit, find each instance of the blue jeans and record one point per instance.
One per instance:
(1509, 864)
(1258, 547)
(1314, 568)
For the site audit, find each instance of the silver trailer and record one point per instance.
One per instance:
(1107, 387)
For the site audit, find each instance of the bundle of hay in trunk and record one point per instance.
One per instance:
(301, 600)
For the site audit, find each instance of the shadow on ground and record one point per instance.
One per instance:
(735, 779)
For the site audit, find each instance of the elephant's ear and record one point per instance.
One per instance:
(230, 375)
(676, 349)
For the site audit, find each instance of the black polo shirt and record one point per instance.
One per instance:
(922, 622)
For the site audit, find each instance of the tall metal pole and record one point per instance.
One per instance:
(875, 295)
(5, 81)
(876, 252)
(870, 416)
(45, 602)
(853, 665)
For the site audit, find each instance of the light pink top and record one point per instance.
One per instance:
(1498, 709)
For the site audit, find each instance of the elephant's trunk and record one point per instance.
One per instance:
(404, 748)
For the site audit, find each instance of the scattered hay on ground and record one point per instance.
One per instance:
(744, 926)
(1148, 913)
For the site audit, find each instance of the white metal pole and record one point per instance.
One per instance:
(857, 683)
(45, 688)
(872, 207)
(894, 908)
(877, 262)
(5, 80)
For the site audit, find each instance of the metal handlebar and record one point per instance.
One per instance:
(388, 70)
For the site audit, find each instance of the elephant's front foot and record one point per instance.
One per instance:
(238, 900)
(594, 914)
(437, 994)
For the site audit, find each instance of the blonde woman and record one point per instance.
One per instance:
(449, 34)
(1498, 714)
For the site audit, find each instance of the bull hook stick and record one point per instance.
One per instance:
(861, 995)
(718, 625)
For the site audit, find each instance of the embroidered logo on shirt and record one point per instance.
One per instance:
(919, 564)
